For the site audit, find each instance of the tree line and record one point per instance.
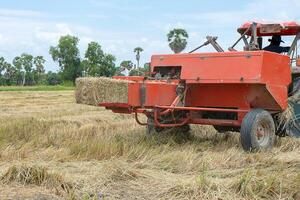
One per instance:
(27, 69)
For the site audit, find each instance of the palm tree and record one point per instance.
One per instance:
(177, 39)
(9, 71)
(138, 50)
(126, 64)
(39, 62)
(2, 65)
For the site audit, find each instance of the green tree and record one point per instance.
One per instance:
(39, 62)
(177, 39)
(53, 78)
(146, 68)
(27, 62)
(2, 65)
(118, 71)
(39, 70)
(97, 63)
(10, 73)
(24, 69)
(137, 52)
(66, 53)
(144, 71)
(2, 70)
(127, 64)
(17, 63)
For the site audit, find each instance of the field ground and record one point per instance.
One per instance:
(52, 148)
(36, 88)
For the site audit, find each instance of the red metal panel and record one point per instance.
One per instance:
(275, 69)
(237, 79)
(259, 97)
(156, 93)
(225, 67)
(134, 98)
(218, 95)
(280, 94)
(276, 73)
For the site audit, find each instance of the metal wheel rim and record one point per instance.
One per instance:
(263, 133)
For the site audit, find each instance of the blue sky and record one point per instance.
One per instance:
(32, 26)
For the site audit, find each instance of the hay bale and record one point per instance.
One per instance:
(92, 90)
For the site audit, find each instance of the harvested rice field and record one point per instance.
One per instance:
(53, 148)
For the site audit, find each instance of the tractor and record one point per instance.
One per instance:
(243, 91)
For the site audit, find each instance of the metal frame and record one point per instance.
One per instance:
(253, 45)
(210, 40)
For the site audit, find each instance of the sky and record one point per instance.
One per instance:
(32, 26)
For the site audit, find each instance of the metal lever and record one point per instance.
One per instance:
(210, 40)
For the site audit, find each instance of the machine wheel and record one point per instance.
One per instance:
(152, 130)
(224, 129)
(257, 130)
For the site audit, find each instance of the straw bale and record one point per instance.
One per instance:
(92, 90)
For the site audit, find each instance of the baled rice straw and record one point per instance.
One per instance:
(92, 91)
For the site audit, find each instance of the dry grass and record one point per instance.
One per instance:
(288, 116)
(37, 175)
(46, 135)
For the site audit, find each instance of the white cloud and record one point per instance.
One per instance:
(20, 13)
(50, 32)
(119, 5)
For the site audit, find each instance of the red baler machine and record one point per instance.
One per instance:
(233, 91)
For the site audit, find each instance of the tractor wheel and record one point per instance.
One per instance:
(257, 130)
(224, 129)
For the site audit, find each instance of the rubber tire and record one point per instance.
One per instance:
(224, 129)
(152, 130)
(248, 130)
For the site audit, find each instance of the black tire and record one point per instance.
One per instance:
(257, 130)
(224, 129)
(184, 129)
(152, 130)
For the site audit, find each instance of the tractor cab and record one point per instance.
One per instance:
(254, 35)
